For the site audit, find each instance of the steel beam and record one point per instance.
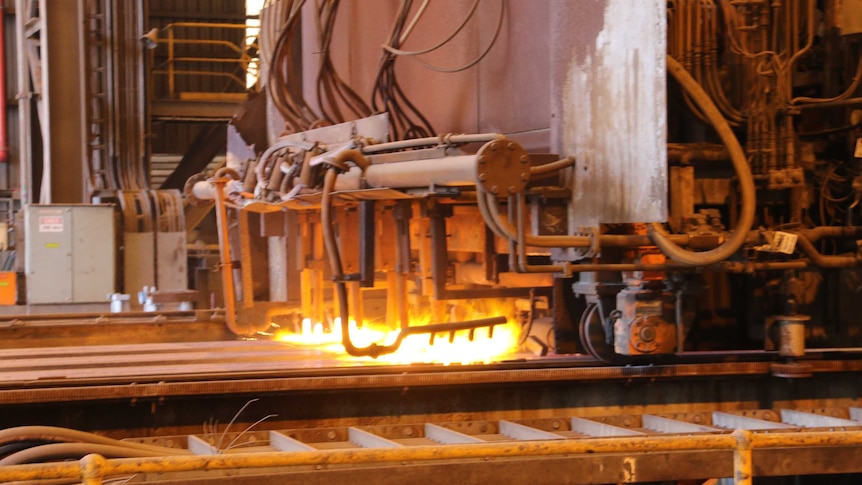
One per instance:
(63, 96)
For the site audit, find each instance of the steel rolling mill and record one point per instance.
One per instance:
(459, 241)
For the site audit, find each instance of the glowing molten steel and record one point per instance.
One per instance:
(445, 349)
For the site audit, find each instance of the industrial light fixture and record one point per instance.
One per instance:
(151, 38)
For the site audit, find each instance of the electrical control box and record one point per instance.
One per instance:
(70, 253)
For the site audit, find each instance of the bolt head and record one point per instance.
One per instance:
(647, 334)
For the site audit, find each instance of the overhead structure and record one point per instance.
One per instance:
(82, 117)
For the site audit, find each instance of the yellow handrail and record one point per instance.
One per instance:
(241, 52)
(92, 469)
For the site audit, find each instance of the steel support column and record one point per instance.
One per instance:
(52, 77)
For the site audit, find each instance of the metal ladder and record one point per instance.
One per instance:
(98, 35)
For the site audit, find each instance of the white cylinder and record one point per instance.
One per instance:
(457, 171)
(204, 190)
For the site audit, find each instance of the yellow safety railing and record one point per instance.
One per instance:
(239, 55)
(93, 469)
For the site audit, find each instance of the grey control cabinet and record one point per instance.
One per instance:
(70, 253)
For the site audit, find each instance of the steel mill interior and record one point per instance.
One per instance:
(431, 241)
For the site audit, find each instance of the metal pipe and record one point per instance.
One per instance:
(552, 166)
(841, 103)
(819, 232)
(226, 264)
(457, 171)
(743, 470)
(447, 139)
(823, 260)
(686, 153)
(171, 68)
(278, 145)
(203, 190)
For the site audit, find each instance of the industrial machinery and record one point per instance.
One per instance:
(760, 193)
(640, 219)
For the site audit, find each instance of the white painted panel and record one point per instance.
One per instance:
(609, 108)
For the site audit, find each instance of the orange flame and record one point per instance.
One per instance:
(446, 348)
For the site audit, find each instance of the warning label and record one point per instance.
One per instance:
(50, 223)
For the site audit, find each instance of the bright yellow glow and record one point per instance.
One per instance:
(415, 348)
(252, 9)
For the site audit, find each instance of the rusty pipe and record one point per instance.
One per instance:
(816, 233)
(822, 260)
(226, 263)
(443, 140)
(552, 166)
(281, 144)
(341, 156)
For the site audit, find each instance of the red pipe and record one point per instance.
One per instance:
(4, 145)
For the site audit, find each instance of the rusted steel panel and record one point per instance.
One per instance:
(608, 107)
(513, 84)
(507, 92)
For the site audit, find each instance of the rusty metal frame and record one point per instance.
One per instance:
(94, 468)
(243, 59)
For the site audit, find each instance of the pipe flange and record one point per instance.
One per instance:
(502, 168)
(595, 244)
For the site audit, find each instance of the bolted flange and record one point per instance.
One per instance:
(503, 168)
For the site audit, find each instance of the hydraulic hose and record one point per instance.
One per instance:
(74, 451)
(743, 173)
(55, 434)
